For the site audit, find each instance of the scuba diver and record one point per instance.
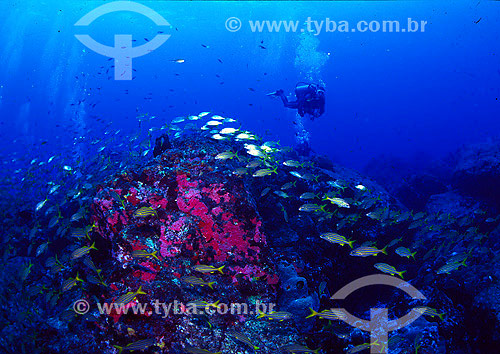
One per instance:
(310, 99)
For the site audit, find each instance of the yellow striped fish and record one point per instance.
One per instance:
(145, 211)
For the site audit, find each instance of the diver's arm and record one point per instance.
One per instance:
(286, 103)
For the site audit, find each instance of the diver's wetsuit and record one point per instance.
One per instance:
(310, 100)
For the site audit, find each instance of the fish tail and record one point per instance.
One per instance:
(93, 246)
(210, 284)
(154, 255)
(441, 316)
(120, 349)
(401, 274)
(275, 170)
(350, 242)
(313, 313)
(77, 278)
(255, 347)
(463, 262)
(216, 304)
(413, 254)
(99, 271)
(139, 291)
(220, 269)
(261, 314)
(384, 250)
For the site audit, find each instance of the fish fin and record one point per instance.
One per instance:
(139, 291)
(413, 254)
(441, 315)
(210, 284)
(119, 348)
(350, 242)
(220, 269)
(93, 246)
(154, 255)
(313, 313)
(401, 274)
(384, 250)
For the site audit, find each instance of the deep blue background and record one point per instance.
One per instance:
(398, 94)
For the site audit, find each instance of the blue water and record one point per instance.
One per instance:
(397, 94)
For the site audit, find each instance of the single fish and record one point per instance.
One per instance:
(275, 315)
(336, 238)
(395, 242)
(228, 131)
(281, 194)
(265, 191)
(203, 305)
(203, 114)
(405, 252)
(240, 171)
(367, 251)
(78, 233)
(288, 185)
(245, 136)
(145, 211)
(360, 187)
(293, 163)
(312, 207)
(265, 172)
(144, 254)
(308, 196)
(213, 123)
(296, 174)
(139, 345)
(89, 263)
(341, 203)
(297, 348)
(42, 248)
(429, 311)
(208, 268)
(70, 282)
(386, 268)
(193, 350)
(217, 136)
(328, 314)
(225, 155)
(450, 267)
(177, 120)
(54, 189)
(197, 281)
(40, 205)
(254, 163)
(240, 337)
(125, 299)
(361, 347)
(178, 61)
(82, 251)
